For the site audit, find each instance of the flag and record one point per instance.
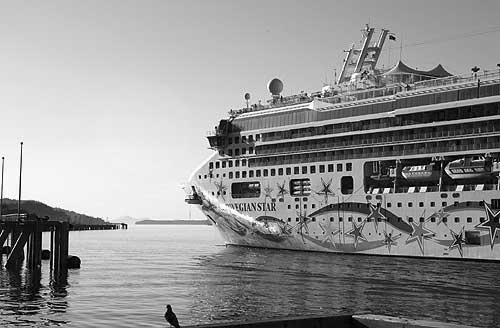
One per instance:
(392, 37)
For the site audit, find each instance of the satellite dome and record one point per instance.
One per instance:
(247, 96)
(275, 86)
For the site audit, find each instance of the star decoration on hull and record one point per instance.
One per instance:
(375, 214)
(303, 224)
(329, 234)
(268, 191)
(282, 190)
(419, 233)
(458, 241)
(325, 190)
(390, 239)
(221, 189)
(357, 233)
(491, 224)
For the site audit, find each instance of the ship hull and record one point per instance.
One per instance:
(394, 224)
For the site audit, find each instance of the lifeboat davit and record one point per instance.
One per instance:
(468, 168)
(420, 172)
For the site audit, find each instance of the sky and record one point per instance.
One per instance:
(113, 99)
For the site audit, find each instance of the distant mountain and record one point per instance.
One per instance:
(127, 219)
(175, 222)
(40, 209)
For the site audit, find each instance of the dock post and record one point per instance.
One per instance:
(64, 245)
(17, 252)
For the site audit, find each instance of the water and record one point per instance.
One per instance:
(128, 276)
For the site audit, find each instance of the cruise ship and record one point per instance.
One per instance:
(393, 162)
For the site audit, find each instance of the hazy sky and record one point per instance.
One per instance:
(113, 99)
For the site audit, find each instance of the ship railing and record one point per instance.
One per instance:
(434, 188)
(347, 95)
(452, 80)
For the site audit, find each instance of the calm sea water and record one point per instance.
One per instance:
(128, 276)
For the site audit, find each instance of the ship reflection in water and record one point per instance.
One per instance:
(260, 283)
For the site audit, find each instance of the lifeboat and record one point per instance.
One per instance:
(427, 172)
(468, 168)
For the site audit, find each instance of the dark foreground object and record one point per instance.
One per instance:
(73, 262)
(339, 321)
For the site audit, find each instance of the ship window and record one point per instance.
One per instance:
(457, 219)
(205, 176)
(243, 151)
(243, 139)
(433, 219)
(495, 204)
(224, 165)
(250, 174)
(199, 177)
(389, 204)
(305, 206)
(217, 165)
(341, 219)
(421, 204)
(331, 219)
(400, 219)
(433, 204)
(410, 204)
(245, 189)
(400, 204)
(444, 195)
(339, 167)
(482, 219)
(455, 204)
(236, 163)
(250, 150)
(346, 185)
(223, 175)
(444, 220)
(472, 237)
(289, 206)
(300, 187)
(410, 219)
(217, 175)
(257, 137)
(211, 165)
(273, 172)
(289, 219)
(237, 174)
(297, 206)
(257, 173)
(288, 171)
(455, 195)
(237, 152)
(330, 167)
(230, 163)
(243, 174)
(280, 171)
(422, 219)
(296, 170)
(297, 219)
(443, 204)
(312, 169)
(349, 219)
(348, 167)
(236, 140)
(304, 169)
(469, 220)
(321, 169)
(243, 162)
(265, 172)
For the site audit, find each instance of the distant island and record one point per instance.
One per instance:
(175, 222)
